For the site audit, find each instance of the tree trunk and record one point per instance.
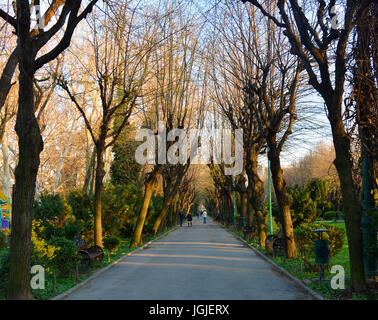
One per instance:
(30, 145)
(150, 185)
(256, 190)
(251, 213)
(244, 207)
(99, 186)
(283, 202)
(261, 227)
(90, 163)
(351, 206)
(170, 193)
(366, 104)
(163, 212)
(231, 208)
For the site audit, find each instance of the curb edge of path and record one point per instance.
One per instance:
(276, 266)
(102, 270)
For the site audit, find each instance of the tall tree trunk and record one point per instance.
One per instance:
(256, 190)
(230, 199)
(244, 207)
(90, 164)
(351, 205)
(251, 212)
(261, 227)
(30, 145)
(99, 187)
(167, 203)
(283, 202)
(366, 95)
(170, 193)
(150, 186)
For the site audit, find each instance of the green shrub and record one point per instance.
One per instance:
(317, 189)
(111, 243)
(305, 238)
(333, 215)
(41, 252)
(52, 213)
(120, 208)
(325, 206)
(50, 207)
(302, 206)
(73, 228)
(275, 226)
(48, 231)
(65, 257)
(3, 241)
(81, 204)
(4, 271)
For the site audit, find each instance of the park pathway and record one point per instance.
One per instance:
(192, 263)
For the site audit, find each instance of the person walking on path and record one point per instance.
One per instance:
(204, 216)
(189, 218)
(181, 217)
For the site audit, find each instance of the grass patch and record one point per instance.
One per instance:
(296, 267)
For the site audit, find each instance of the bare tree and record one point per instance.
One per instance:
(176, 99)
(260, 82)
(120, 66)
(321, 47)
(29, 43)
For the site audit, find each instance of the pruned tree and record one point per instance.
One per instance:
(175, 99)
(29, 43)
(319, 40)
(260, 81)
(119, 68)
(235, 70)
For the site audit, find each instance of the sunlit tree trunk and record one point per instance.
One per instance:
(283, 202)
(99, 187)
(150, 186)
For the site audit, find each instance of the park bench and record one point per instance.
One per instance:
(89, 255)
(275, 244)
(249, 229)
(250, 232)
(269, 242)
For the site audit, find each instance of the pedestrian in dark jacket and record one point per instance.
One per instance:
(189, 218)
(181, 217)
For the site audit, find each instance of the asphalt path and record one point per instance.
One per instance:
(192, 263)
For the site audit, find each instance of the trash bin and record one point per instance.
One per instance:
(321, 250)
